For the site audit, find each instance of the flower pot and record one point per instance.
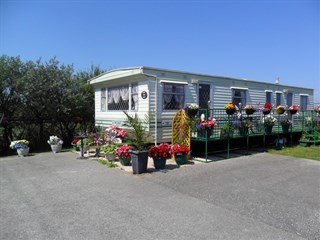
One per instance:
(125, 161)
(22, 152)
(280, 111)
(159, 163)
(110, 156)
(56, 148)
(192, 112)
(249, 111)
(268, 129)
(285, 128)
(139, 160)
(206, 133)
(230, 111)
(293, 111)
(180, 158)
(266, 111)
(226, 134)
(75, 147)
(243, 131)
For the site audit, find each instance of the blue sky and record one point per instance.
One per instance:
(252, 39)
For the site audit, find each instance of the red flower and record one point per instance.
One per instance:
(123, 151)
(162, 150)
(74, 141)
(267, 106)
(178, 148)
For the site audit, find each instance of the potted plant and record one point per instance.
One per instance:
(205, 127)
(285, 123)
(124, 154)
(250, 109)
(160, 154)
(87, 142)
(109, 151)
(227, 130)
(56, 143)
(268, 124)
(230, 108)
(140, 140)
(245, 124)
(118, 132)
(192, 109)
(293, 109)
(22, 147)
(280, 109)
(317, 109)
(266, 108)
(74, 144)
(179, 152)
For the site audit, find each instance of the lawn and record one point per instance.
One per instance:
(311, 152)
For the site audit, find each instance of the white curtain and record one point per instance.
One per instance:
(115, 93)
(124, 93)
(167, 98)
(178, 98)
(110, 99)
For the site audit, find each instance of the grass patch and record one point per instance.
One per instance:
(106, 162)
(311, 152)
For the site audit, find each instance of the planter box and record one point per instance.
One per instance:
(139, 161)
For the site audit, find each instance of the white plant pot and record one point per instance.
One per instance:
(23, 151)
(110, 156)
(56, 148)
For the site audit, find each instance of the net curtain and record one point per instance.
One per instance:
(114, 94)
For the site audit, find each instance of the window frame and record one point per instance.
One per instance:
(268, 95)
(278, 98)
(289, 102)
(129, 104)
(103, 100)
(302, 107)
(243, 103)
(164, 92)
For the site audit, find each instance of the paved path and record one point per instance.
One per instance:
(56, 196)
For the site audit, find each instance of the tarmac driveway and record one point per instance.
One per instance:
(56, 196)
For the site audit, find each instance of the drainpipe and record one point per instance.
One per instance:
(156, 103)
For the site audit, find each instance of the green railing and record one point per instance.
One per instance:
(253, 126)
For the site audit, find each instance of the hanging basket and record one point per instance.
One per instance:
(293, 111)
(230, 111)
(249, 111)
(192, 112)
(281, 111)
(266, 111)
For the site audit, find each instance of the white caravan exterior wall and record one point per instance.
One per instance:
(151, 81)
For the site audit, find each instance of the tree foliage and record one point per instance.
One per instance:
(41, 99)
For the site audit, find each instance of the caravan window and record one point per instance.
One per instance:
(118, 97)
(239, 96)
(173, 96)
(278, 99)
(268, 97)
(303, 102)
(289, 99)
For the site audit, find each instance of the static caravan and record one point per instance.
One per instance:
(146, 89)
